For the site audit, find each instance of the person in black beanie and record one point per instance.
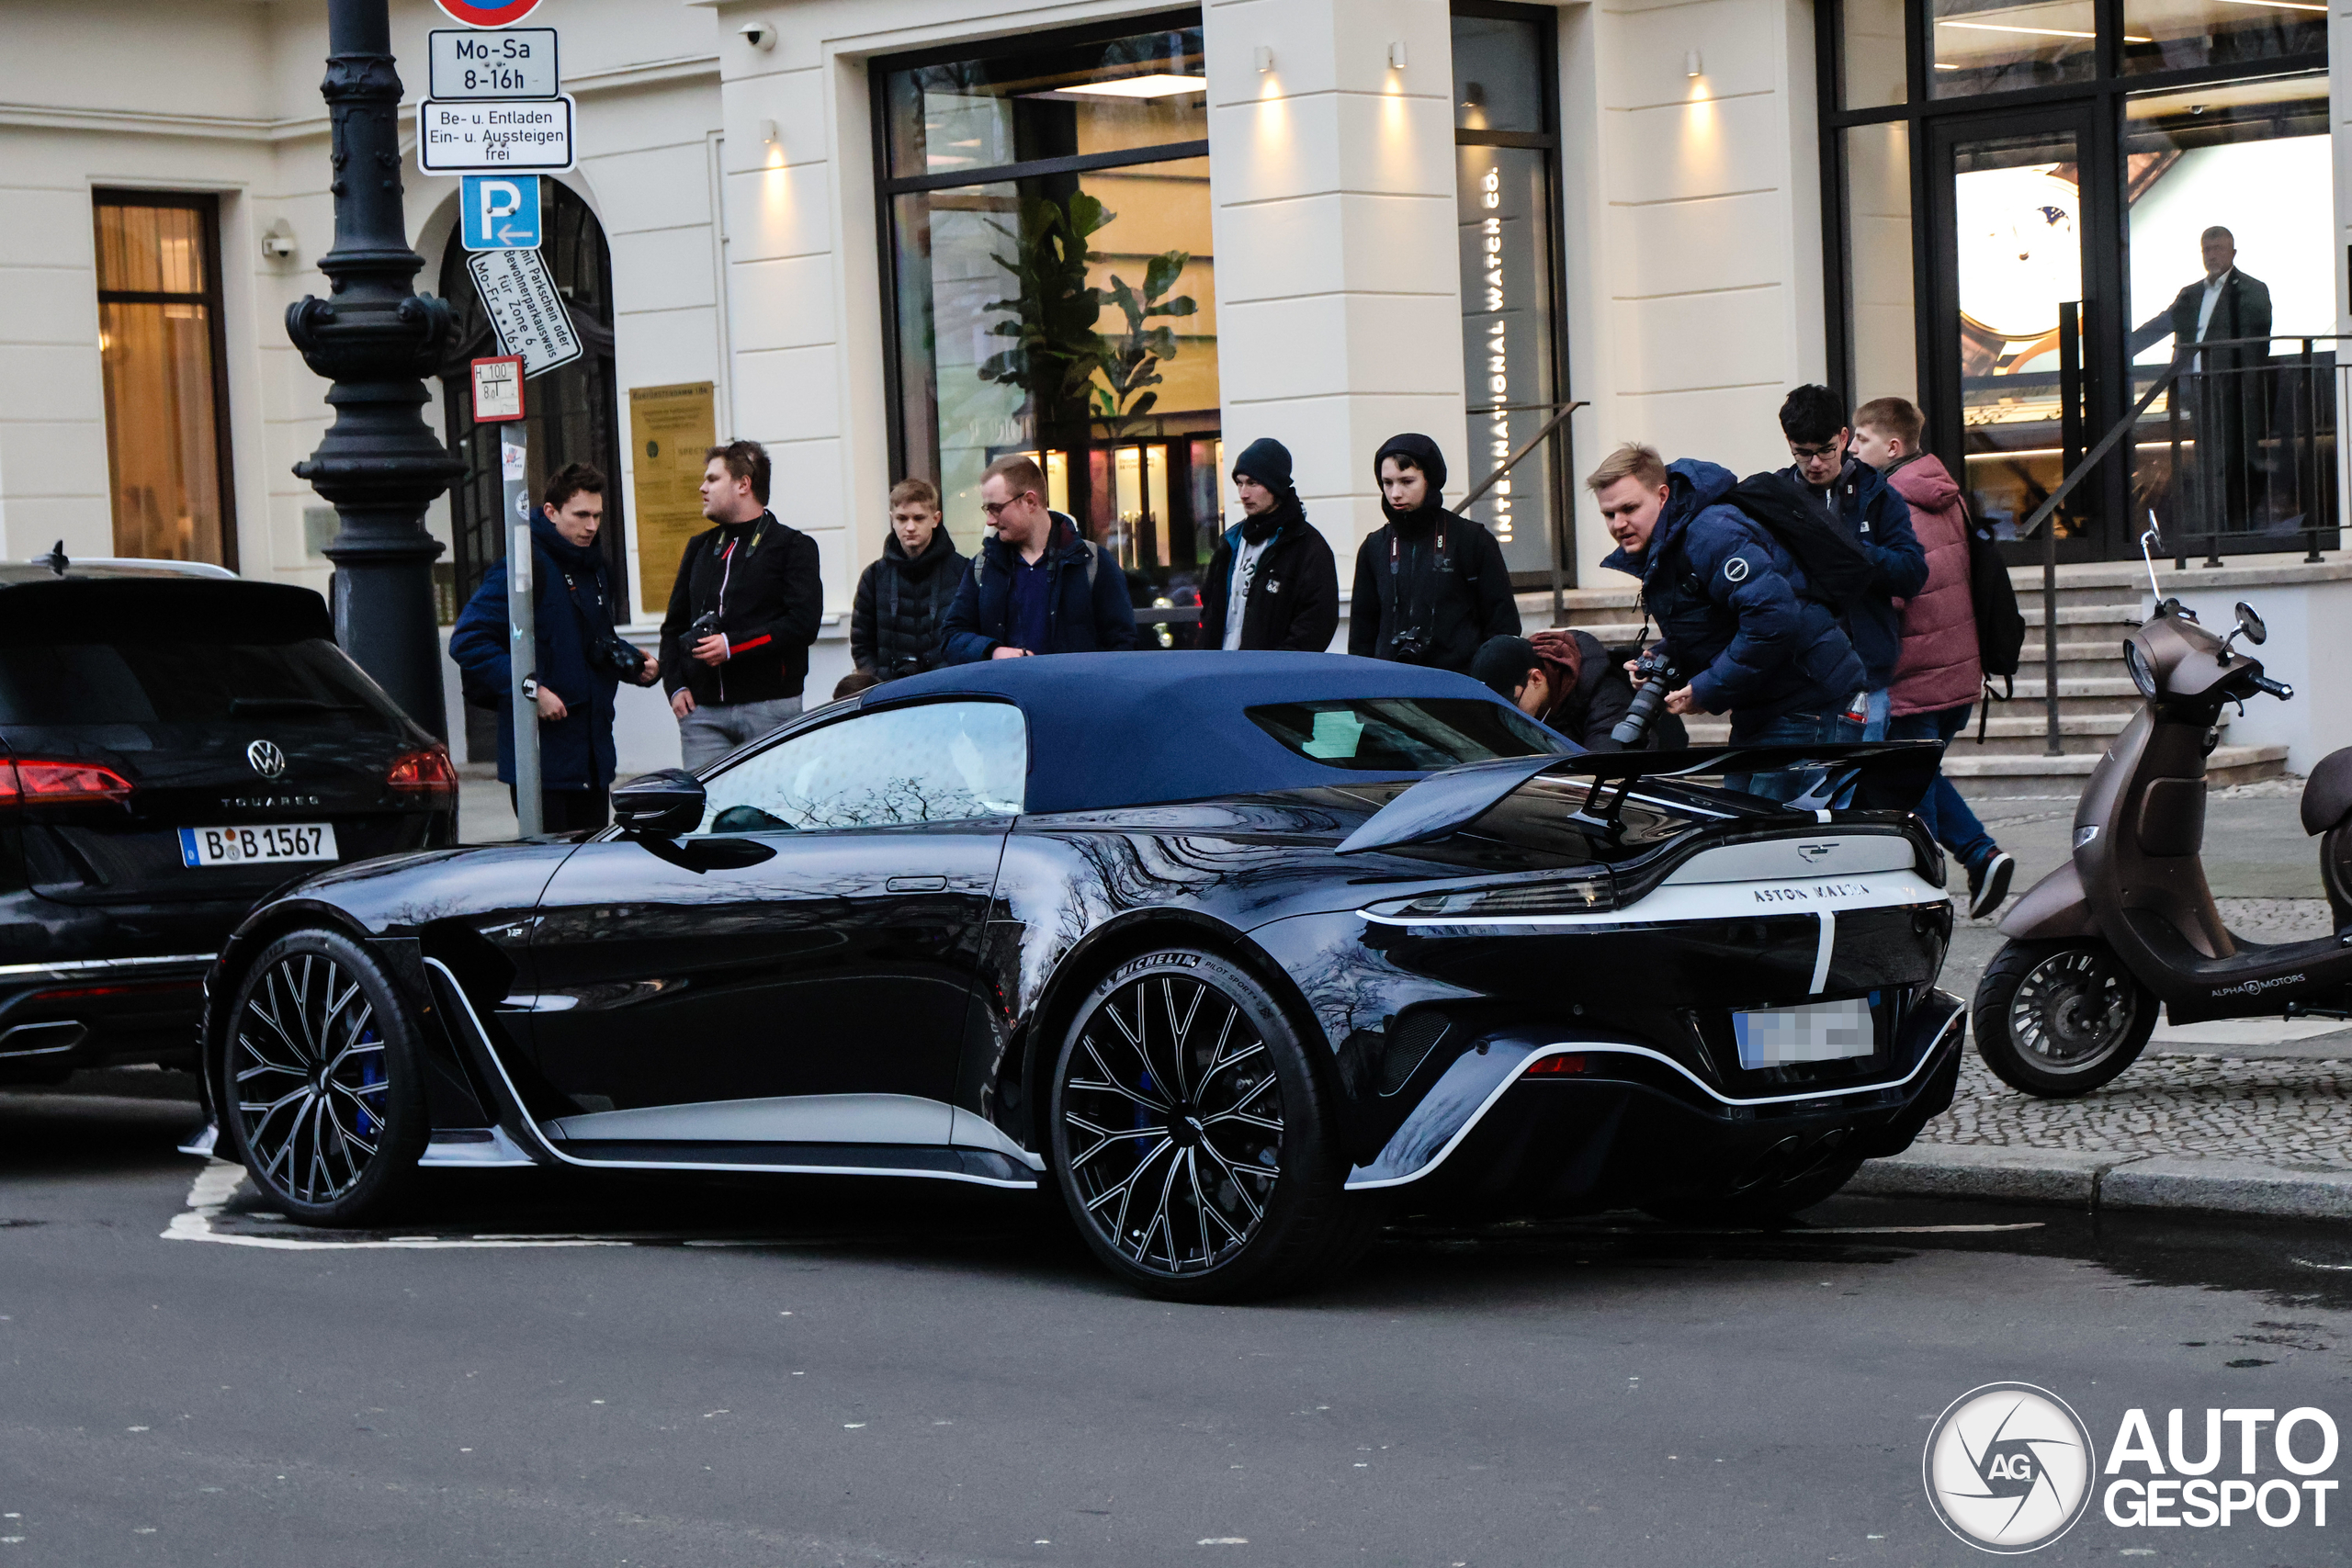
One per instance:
(1273, 582)
(1431, 586)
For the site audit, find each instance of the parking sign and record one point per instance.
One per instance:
(501, 212)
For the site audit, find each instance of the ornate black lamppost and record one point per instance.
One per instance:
(374, 338)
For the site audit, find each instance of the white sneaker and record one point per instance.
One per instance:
(1987, 887)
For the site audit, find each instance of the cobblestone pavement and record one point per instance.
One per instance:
(2187, 1095)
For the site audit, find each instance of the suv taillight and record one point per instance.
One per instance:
(423, 773)
(37, 781)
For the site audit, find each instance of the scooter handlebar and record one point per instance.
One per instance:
(2279, 689)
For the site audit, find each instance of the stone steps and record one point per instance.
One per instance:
(2008, 777)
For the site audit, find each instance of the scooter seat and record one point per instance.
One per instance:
(2328, 795)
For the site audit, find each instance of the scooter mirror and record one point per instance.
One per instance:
(2251, 623)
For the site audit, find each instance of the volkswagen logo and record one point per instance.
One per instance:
(266, 758)
(2010, 1468)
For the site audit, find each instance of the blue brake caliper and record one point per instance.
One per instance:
(371, 1077)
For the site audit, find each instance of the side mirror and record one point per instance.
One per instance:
(2251, 623)
(665, 803)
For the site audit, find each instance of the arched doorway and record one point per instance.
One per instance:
(570, 413)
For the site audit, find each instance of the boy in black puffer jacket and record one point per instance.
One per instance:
(1431, 586)
(903, 599)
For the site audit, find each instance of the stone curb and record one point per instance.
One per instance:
(2210, 1184)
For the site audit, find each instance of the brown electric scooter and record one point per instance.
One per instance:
(2071, 998)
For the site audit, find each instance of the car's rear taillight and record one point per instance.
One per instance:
(37, 781)
(423, 773)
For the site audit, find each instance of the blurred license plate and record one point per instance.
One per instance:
(249, 846)
(1818, 1032)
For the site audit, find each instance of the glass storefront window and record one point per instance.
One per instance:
(1872, 49)
(1995, 46)
(1054, 294)
(1878, 261)
(1505, 175)
(2243, 157)
(2019, 223)
(160, 350)
(2178, 35)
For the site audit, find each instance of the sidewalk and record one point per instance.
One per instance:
(2245, 1116)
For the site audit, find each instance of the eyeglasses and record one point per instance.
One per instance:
(995, 509)
(1808, 453)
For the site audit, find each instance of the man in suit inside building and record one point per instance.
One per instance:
(2225, 392)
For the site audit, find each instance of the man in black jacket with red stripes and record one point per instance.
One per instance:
(735, 642)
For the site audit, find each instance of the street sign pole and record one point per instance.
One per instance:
(521, 628)
(379, 463)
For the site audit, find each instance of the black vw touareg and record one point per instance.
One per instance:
(175, 743)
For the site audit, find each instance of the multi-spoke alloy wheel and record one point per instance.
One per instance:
(2061, 1018)
(1188, 1132)
(316, 1081)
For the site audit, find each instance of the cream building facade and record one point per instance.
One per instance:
(1386, 215)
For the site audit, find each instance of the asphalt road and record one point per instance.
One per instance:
(712, 1373)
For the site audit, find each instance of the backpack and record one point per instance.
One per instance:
(1837, 568)
(2000, 626)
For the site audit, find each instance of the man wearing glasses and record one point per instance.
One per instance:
(1036, 584)
(1857, 497)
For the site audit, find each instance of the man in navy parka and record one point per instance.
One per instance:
(1730, 603)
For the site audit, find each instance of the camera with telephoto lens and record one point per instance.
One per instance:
(1654, 676)
(613, 656)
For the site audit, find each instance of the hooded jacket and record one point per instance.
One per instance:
(1086, 612)
(1939, 667)
(1294, 599)
(1730, 606)
(895, 618)
(571, 608)
(762, 578)
(1431, 571)
(1880, 523)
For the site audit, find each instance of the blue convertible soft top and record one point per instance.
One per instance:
(1114, 729)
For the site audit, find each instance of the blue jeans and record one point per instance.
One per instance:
(1881, 712)
(1826, 728)
(1946, 814)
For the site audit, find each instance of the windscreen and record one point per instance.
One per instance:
(1396, 735)
(176, 682)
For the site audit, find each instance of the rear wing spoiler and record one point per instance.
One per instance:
(1882, 775)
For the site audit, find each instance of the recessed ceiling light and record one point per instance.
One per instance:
(1159, 86)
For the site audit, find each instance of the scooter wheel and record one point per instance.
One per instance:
(2059, 1019)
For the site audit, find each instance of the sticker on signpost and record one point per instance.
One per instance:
(498, 389)
(494, 136)
(520, 295)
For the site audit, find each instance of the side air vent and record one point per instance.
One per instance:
(1409, 1044)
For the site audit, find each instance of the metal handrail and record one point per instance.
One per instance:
(1483, 486)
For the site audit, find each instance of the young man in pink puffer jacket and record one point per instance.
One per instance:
(1938, 676)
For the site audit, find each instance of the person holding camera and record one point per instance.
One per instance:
(903, 599)
(581, 659)
(1738, 632)
(1564, 680)
(735, 642)
(1430, 585)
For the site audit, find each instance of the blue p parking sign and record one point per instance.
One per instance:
(501, 211)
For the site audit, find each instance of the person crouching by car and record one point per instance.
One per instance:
(903, 599)
(1431, 586)
(1566, 680)
(742, 614)
(1036, 585)
(1732, 614)
(581, 659)
(1273, 582)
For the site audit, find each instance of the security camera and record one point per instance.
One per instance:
(278, 243)
(759, 35)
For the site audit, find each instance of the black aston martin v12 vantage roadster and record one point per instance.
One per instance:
(1235, 951)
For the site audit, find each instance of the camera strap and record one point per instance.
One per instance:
(1437, 561)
